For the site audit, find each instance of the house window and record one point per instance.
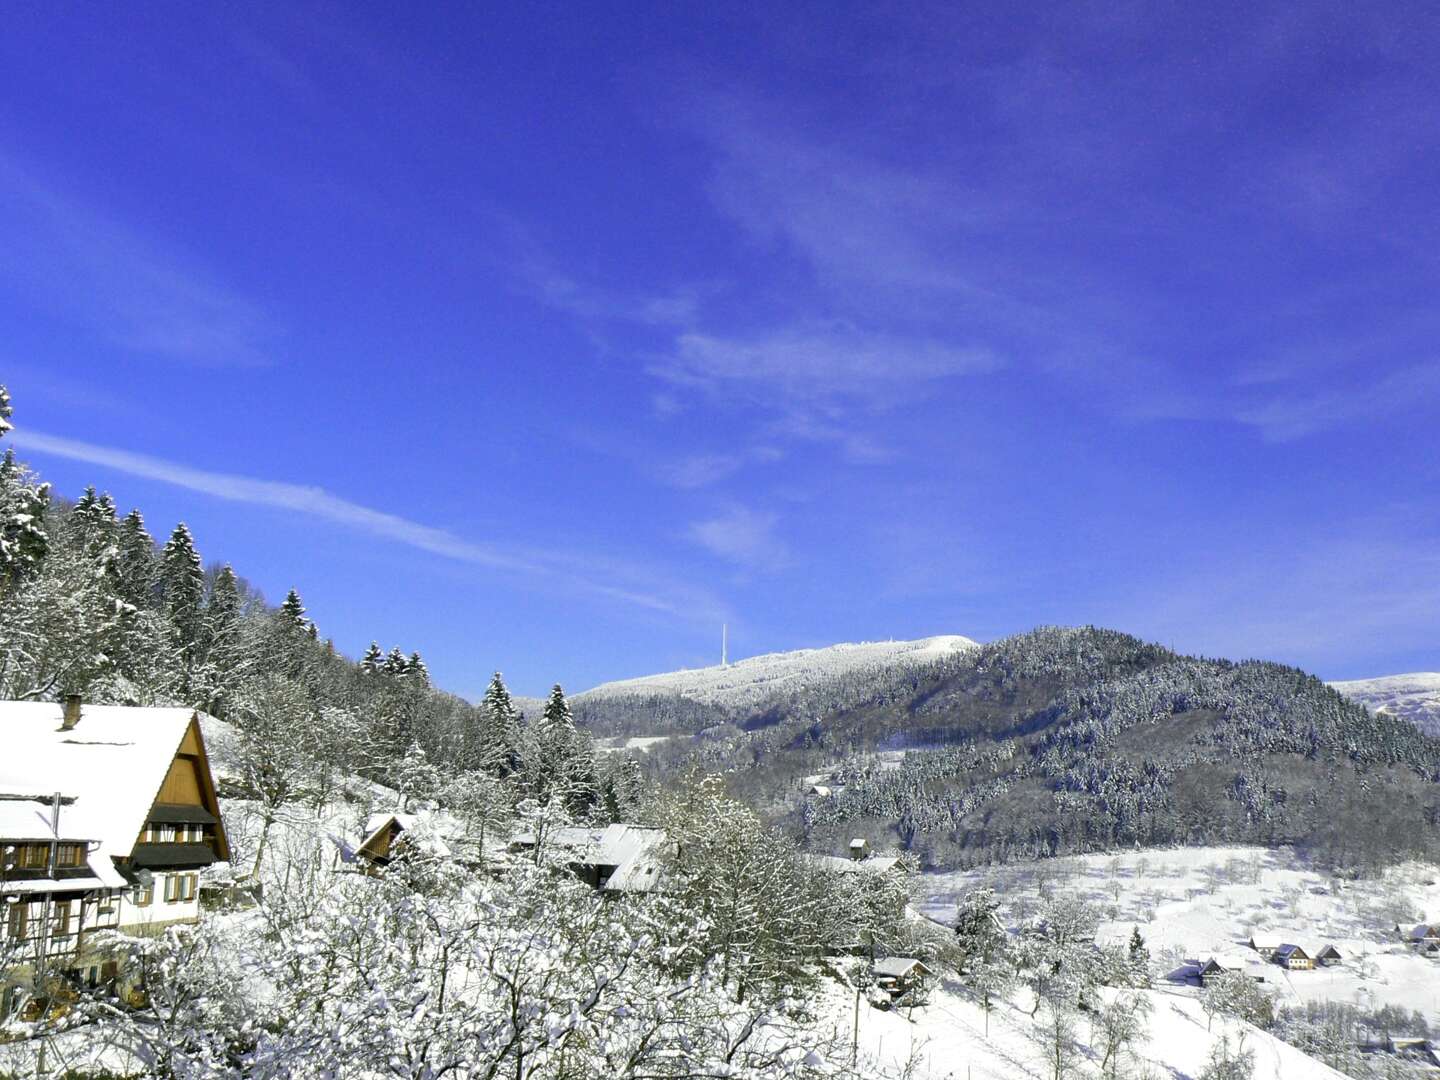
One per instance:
(106, 904)
(144, 895)
(69, 855)
(19, 920)
(36, 856)
(62, 918)
(180, 888)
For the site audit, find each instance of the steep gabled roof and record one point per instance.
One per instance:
(110, 767)
(897, 967)
(420, 832)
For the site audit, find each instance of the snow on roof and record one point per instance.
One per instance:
(1264, 941)
(421, 831)
(876, 864)
(1290, 949)
(897, 967)
(1227, 962)
(1114, 933)
(634, 852)
(113, 763)
(29, 817)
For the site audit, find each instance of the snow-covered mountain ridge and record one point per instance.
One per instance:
(1414, 697)
(756, 678)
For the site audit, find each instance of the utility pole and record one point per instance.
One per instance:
(855, 1039)
(724, 644)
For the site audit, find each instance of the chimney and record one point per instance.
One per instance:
(72, 712)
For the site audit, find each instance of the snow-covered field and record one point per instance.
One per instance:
(1414, 697)
(635, 742)
(947, 1040)
(751, 681)
(1193, 903)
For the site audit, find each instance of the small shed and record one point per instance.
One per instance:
(820, 791)
(859, 847)
(900, 975)
(1329, 956)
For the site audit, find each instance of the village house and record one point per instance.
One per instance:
(1265, 944)
(1424, 938)
(614, 859)
(390, 835)
(1329, 956)
(1294, 958)
(1217, 966)
(108, 814)
(875, 864)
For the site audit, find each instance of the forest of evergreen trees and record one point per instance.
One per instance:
(92, 604)
(1066, 740)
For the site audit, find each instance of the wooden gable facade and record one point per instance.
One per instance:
(183, 828)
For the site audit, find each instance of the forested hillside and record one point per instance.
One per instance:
(1066, 740)
(1414, 697)
(92, 604)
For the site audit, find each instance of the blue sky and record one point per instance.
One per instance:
(547, 339)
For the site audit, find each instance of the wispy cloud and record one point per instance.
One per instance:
(1294, 413)
(743, 536)
(129, 289)
(559, 568)
(851, 218)
(830, 363)
(703, 470)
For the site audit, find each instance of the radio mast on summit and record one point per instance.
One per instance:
(724, 644)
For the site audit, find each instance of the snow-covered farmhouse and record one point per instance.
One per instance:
(107, 816)
(617, 858)
(1294, 958)
(1424, 938)
(1216, 966)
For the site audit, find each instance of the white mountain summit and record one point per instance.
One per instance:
(750, 681)
(1414, 697)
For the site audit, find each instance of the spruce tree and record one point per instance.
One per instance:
(373, 660)
(499, 735)
(292, 612)
(23, 539)
(415, 669)
(136, 560)
(395, 662)
(182, 581)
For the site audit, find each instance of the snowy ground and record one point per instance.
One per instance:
(636, 742)
(1190, 904)
(947, 1040)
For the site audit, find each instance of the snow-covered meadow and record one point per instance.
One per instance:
(1193, 903)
